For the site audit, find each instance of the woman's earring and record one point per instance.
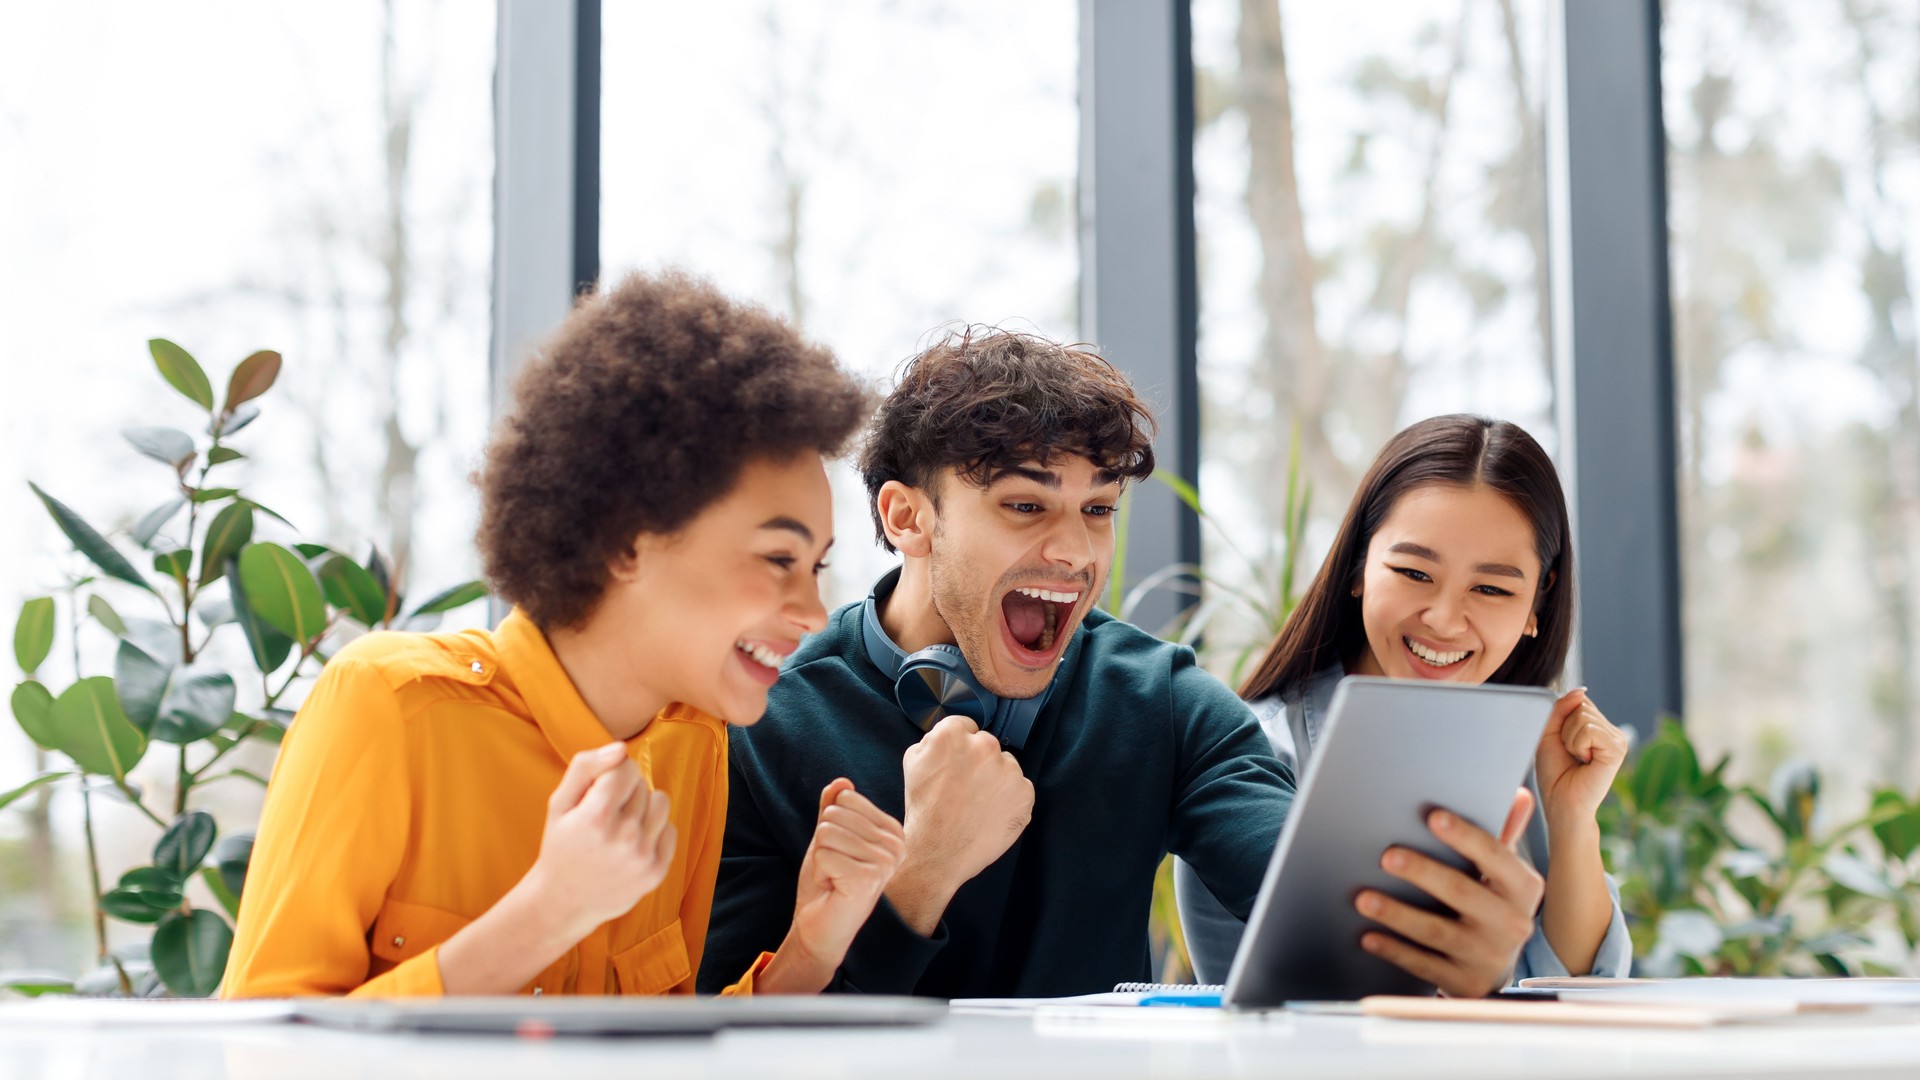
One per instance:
(1533, 629)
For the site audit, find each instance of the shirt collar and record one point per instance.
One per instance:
(555, 705)
(1315, 699)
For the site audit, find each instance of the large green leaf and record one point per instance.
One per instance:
(1795, 790)
(220, 455)
(144, 895)
(34, 985)
(173, 564)
(253, 377)
(89, 541)
(352, 589)
(199, 700)
(168, 446)
(11, 797)
(104, 614)
(1896, 824)
(190, 952)
(269, 646)
(217, 885)
(130, 906)
(1666, 767)
(158, 881)
(232, 527)
(184, 846)
(231, 856)
(33, 633)
(152, 521)
(33, 708)
(141, 682)
(94, 732)
(447, 600)
(281, 590)
(182, 372)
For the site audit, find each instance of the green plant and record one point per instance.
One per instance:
(1259, 592)
(1724, 879)
(1263, 600)
(291, 603)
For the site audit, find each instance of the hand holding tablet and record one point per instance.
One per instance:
(1395, 753)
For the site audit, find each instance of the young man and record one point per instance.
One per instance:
(995, 470)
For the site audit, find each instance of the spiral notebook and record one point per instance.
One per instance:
(1127, 995)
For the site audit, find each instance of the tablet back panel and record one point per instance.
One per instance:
(1394, 750)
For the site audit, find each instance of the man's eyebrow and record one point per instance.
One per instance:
(1421, 551)
(1046, 478)
(790, 525)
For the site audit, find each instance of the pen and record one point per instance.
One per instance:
(1203, 999)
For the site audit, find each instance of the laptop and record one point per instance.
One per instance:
(540, 1016)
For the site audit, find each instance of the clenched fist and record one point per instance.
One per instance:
(608, 841)
(855, 850)
(1580, 752)
(966, 803)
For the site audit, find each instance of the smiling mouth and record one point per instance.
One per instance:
(1035, 618)
(1435, 658)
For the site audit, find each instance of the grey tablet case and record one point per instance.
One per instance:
(525, 1015)
(1394, 751)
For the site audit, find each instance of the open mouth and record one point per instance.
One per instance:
(760, 660)
(1037, 622)
(1435, 659)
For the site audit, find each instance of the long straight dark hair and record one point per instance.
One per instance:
(1459, 451)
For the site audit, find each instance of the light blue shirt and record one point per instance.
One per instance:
(1294, 727)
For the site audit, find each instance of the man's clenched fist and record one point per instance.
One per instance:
(966, 803)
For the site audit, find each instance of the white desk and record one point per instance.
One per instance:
(983, 1048)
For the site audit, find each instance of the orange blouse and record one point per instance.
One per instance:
(410, 796)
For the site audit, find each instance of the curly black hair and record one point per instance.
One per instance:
(641, 411)
(985, 400)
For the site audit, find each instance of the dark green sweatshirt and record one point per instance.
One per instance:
(1137, 753)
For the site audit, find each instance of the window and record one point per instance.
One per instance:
(1371, 221)
(311, 178)
(1794, 178)
(874, 171)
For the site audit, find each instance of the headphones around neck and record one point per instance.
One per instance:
(935, 682)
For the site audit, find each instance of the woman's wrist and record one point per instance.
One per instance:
(544, 904)
(795, 969)
(512, 942)
(1572, 835)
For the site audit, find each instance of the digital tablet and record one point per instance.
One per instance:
(1394, 751)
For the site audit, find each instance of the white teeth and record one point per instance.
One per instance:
(1050, 596)
(760, 653)
(1437, 659)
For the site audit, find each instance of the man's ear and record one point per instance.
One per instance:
(906, 513)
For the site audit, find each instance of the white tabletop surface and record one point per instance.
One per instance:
(1136, 1043)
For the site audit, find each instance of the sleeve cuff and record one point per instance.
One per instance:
(416, 977)
(888, 956)
(743, 987)
(1612, 960)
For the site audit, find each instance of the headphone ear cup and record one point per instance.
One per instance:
(935, 683)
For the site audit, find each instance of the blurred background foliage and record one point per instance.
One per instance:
(213, 581)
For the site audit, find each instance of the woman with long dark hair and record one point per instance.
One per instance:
(1455, 563)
